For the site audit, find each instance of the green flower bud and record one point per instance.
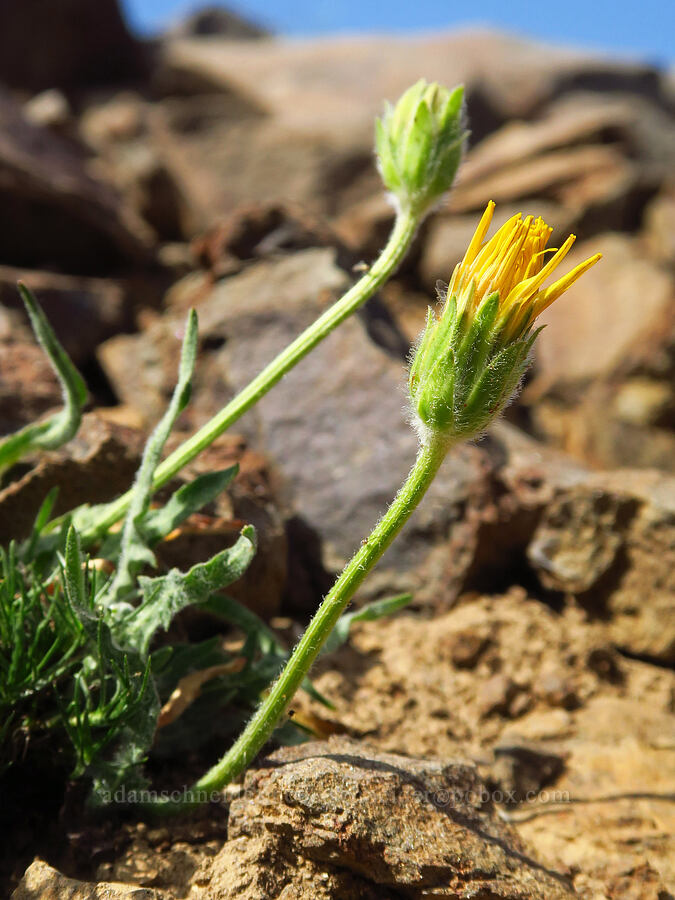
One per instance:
(419, 144)
(472, 356)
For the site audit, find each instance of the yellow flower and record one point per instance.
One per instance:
(472, 356)
(512, 263)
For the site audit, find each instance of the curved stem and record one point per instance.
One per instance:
(397, 246)
(263, 723)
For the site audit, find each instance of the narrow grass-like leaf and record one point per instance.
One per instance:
(61, 427)
(134, 552)
(156, 524)
(369, 613)
(74, 571)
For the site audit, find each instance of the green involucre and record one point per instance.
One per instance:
(419, 144)
(462, 374)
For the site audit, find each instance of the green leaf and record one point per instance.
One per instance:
(188, 499)
(43, 516)
(167, 595)
(369, 613)
(156, 524)
(74, 571)
(230, 610)
(260, 637)
(134, 550)
(62, 426)
(418, 147)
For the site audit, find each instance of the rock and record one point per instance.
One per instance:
(561, 126)
(42, 881)
(96, 466)
(80, 45)
(301, 143)
(153, 188)
(119, 118)
(598, 326)
(28, 386)
(575, 557)
(259, 868)
(50, 109)
(643, 402)
(550, 175)
(365, 226)
(82, 311)
(496, 695)
(395, 685)
(606, 839)
(83, 224)
(603, 374)
(522, 769)
(612, 542)
(253, 231)
(580, 155)
(659, 227)
(402, 824)
(467, 647)
(212, 21)
(518, 76)
(557, 689)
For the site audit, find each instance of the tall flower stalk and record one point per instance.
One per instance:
(467, 366)
(419, 146)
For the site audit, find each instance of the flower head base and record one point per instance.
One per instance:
(419, 145)
(472, 356)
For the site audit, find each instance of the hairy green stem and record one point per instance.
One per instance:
(430, 456)
(397, 246)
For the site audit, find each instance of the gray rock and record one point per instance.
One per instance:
(54, 213)
(80, 43)
(336, 425)
(82, 311)
(212, 21)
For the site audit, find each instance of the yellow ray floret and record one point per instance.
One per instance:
(512, 263)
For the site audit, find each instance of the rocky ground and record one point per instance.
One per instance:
(512, 735)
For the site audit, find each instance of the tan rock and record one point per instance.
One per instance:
(43, 882)
(599, 323)
(400, 823)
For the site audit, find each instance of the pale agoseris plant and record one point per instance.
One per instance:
(468, 364)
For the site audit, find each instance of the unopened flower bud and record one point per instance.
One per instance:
(473, 354)
(419, 145)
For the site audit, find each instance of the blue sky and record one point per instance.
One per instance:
(643, 28)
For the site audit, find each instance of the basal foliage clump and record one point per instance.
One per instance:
(83, 679)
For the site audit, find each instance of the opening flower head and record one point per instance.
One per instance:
(473, 355)
(512, 262)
